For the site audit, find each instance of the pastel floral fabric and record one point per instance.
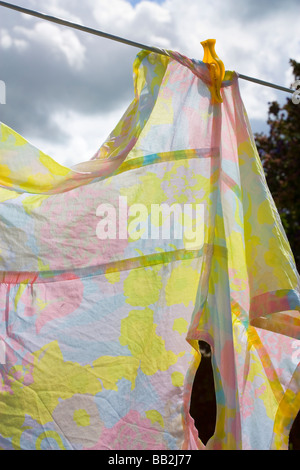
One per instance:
(99, 336)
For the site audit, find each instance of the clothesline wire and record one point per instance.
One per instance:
(96, 32)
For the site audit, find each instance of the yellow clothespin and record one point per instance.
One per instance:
(216, 68)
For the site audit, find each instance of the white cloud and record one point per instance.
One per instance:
(7, 41)
(55, 8)
(56, 40)
(144, 23)
(113, 13)
(255, 38)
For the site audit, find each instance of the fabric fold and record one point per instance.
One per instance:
(113, 270)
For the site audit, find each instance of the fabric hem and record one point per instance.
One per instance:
(287, 411)
(272, 311)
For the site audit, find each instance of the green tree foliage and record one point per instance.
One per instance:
(280, 155)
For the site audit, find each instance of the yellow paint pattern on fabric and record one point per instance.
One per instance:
(193, 229)
(277, 269)
(148, 191)
(110, 370)
(63, 380)
(6, 132)
(264, 213)
(81, 418)
(7, 194)
(201, 184)
(177, 379)
(175, 168)
(264, 392)
(252, 241)
(180, 325)
(38, 181)
(138, 332)
(54, 167)
(43, 267)
(235, 242)
(33, 202)
(142, 287)
(48, 368)
(164, 109)
(113, 278)
(4, 175)
(155, 417)
(67, 377)
(159, 70)
(49, 435)
(246, 152)
(182, 285)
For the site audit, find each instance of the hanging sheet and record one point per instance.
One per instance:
(99, 335)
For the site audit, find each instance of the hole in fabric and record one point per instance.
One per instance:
(294, 440)
(203, 400)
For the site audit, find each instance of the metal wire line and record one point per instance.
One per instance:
(96, 32)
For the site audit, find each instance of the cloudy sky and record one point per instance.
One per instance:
(66, 90)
